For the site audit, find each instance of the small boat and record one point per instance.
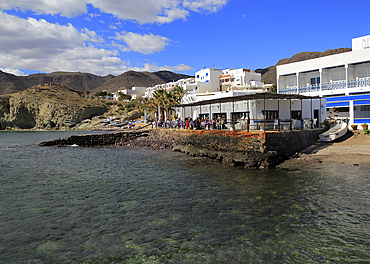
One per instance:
(334, 132)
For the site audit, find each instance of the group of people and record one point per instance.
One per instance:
(218, 122)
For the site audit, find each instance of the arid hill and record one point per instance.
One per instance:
(78, 81)
(269, 74)
(74, 80)
(47, 107)
(140, 79)
(10, 83)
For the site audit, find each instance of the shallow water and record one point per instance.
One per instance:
(115, 205)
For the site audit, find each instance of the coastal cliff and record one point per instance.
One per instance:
(51, 107)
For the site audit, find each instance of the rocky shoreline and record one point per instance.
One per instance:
(250, 150)
(169, 142)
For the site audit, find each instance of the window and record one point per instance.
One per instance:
(269, 115)
(364, 73)
(201, 116)
(206, 73)
(296, 115)
(338, 77)
(198, 76)
(238, 115)
(362, 111)
(315, 80)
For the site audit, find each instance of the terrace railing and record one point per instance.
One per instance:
(239, 125)
(337, 85)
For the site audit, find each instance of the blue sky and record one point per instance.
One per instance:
(183, 36)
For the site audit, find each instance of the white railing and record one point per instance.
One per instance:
(363, 82)
(288, 90)
(333, 85)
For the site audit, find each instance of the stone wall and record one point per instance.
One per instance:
(288, 143)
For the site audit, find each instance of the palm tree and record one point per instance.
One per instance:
(178, 92)
(159, 98)
(164, 100)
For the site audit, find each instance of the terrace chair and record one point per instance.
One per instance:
(307, 123)
(294, 121)
(315, 122)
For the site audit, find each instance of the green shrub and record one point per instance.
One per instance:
(101, 94)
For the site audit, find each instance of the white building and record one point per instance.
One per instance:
(240, 79)
(208, 80)
(258, 111)
(343, 79)
(215, 84)
(185, 83)
(135, 92)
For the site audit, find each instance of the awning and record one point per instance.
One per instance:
(254, 96)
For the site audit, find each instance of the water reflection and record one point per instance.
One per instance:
(106, 205)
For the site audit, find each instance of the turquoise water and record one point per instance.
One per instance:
(115, 205)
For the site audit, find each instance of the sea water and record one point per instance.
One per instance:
(116, 205)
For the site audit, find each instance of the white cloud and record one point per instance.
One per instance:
(67, 8)
(182, 68)
(145, 44)
(38, 45)
(151, 67)
(142, 11)
(37, 38)
(13, 71)
(206, 5)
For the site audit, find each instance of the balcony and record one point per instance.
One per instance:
(338, 85)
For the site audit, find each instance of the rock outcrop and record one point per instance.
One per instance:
(52, 107)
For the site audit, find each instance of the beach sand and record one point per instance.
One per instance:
(352, 149)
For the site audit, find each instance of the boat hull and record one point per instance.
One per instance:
(334, 133)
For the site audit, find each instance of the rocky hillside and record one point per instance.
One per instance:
(140, 79)
(269, 74)
(46, 107)
(78, 81)
(74, 80)
(10, 83)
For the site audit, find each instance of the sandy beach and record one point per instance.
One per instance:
(352, 149)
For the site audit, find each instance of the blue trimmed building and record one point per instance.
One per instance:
(342, 79)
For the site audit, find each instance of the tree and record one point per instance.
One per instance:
(103, 93)
(273, 88)
(179, 93)
(124, 97)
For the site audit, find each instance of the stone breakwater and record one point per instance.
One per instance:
(251, 150)
(93, 140)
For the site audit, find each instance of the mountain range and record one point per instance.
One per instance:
(78, 81)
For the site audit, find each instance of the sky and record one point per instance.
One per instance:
(114, 36)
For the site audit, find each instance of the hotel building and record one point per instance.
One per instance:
(342, 79)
